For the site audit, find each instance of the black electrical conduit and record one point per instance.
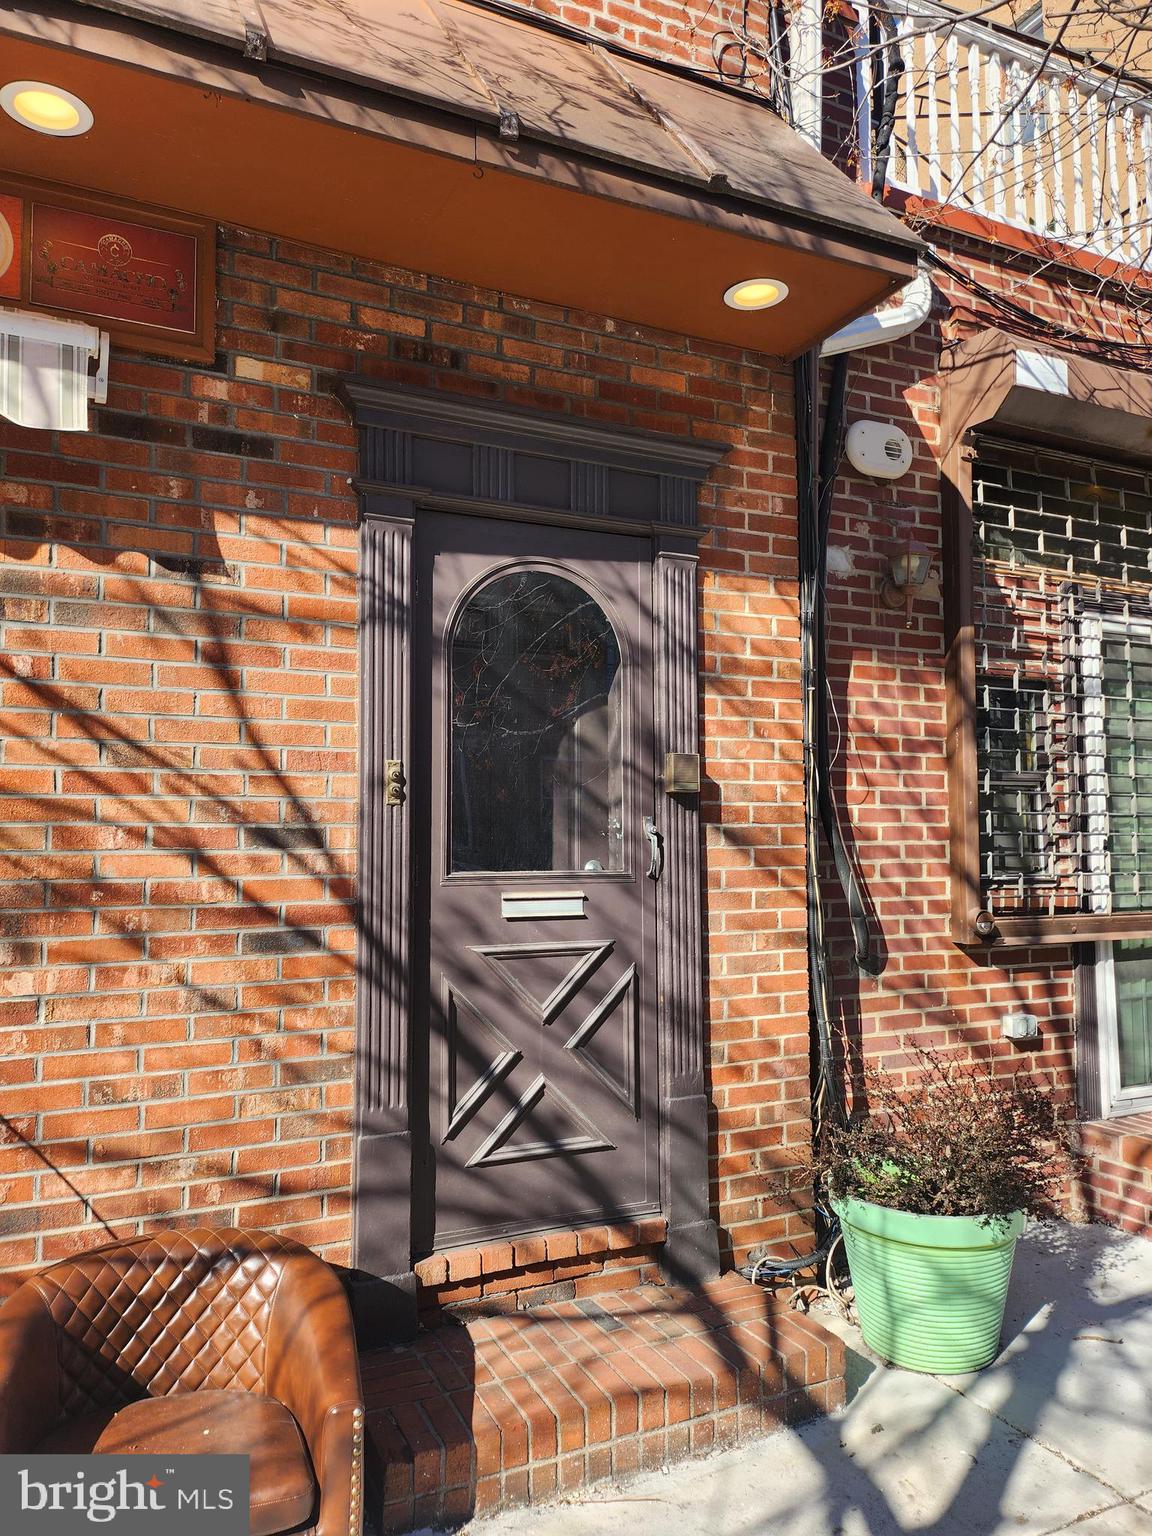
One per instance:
(806, 373)
(867, 953)
(819, 451)
(817, 460)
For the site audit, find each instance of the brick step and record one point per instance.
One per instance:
(543, 1268)
(509, 1410)
(1116, 1184)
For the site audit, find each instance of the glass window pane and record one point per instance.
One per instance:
(536, 750)
(1126, 666)
(1013, 755)
(1014, 838)
(1133, 969)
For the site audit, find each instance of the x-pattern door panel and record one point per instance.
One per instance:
(541, 1072)
(595, 1032)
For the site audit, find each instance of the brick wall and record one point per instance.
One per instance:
(178, 758)
(888, 677)
(178, 754)
(1116, 1182)
(888, 693)
(681, 31)
(890, 774)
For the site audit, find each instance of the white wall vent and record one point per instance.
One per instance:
(879, 449)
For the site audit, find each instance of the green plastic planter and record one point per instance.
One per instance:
(930, 1290)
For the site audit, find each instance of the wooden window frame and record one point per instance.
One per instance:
(1110, 408)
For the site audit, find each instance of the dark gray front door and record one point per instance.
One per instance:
(534, 1008)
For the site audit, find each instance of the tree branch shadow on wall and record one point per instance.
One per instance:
(194, 986)
(158, 804)
(307, 852)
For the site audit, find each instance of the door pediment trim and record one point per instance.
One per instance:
(560, 468)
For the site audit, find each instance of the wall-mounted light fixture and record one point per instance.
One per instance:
(45, 108)
(909, 567)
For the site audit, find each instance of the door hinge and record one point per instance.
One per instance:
(394, 782)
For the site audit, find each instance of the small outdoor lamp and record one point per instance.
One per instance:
(756, 293)
(909, 566)
(45, 108)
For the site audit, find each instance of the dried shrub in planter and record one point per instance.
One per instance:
(959, 1140)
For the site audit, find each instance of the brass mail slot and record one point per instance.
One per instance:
(681, 773)
(542, 903)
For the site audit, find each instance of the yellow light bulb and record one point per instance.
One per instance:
(755, 293)
(45, 108)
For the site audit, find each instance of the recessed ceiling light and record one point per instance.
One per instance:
(45, 108)
(756, 293)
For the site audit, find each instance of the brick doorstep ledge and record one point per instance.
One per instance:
(511, 1410)
(1116, 1185)
(546, 1267)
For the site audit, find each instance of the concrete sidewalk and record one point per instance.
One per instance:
(1056, 1435)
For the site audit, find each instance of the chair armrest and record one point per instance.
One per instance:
(311, 1367)
(29, 1372)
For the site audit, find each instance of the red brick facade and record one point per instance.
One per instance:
(178, 757)
(891, 777)
(179, 751)
(517, 1409)
(1118, 1178)
(682, 33)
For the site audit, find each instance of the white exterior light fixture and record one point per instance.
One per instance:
(46, 377)
(756, 293)
(46, 108)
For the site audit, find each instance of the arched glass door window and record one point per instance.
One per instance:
(536, 750)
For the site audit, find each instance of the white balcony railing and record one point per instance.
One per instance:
(1009, 129)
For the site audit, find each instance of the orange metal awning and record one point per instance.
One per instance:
(456, 138)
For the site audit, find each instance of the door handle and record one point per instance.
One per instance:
(656, 847)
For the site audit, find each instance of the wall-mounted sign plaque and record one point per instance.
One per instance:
(144, 275)
(112, 268)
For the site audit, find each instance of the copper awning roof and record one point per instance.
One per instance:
(411, 104)
(523, 79)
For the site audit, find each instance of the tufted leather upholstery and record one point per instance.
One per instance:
(176, 1313)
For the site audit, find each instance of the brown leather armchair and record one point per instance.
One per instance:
(202, 1340)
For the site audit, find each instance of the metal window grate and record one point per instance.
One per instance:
(1063, 635)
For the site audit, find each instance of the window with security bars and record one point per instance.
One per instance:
(1062, 623)
(1062, 632)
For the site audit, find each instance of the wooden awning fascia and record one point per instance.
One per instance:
(542, 85)
(1101, 409)
(791, 199)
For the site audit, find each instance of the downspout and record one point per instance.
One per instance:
(878, 328)
(885, 325)
(819, 449)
